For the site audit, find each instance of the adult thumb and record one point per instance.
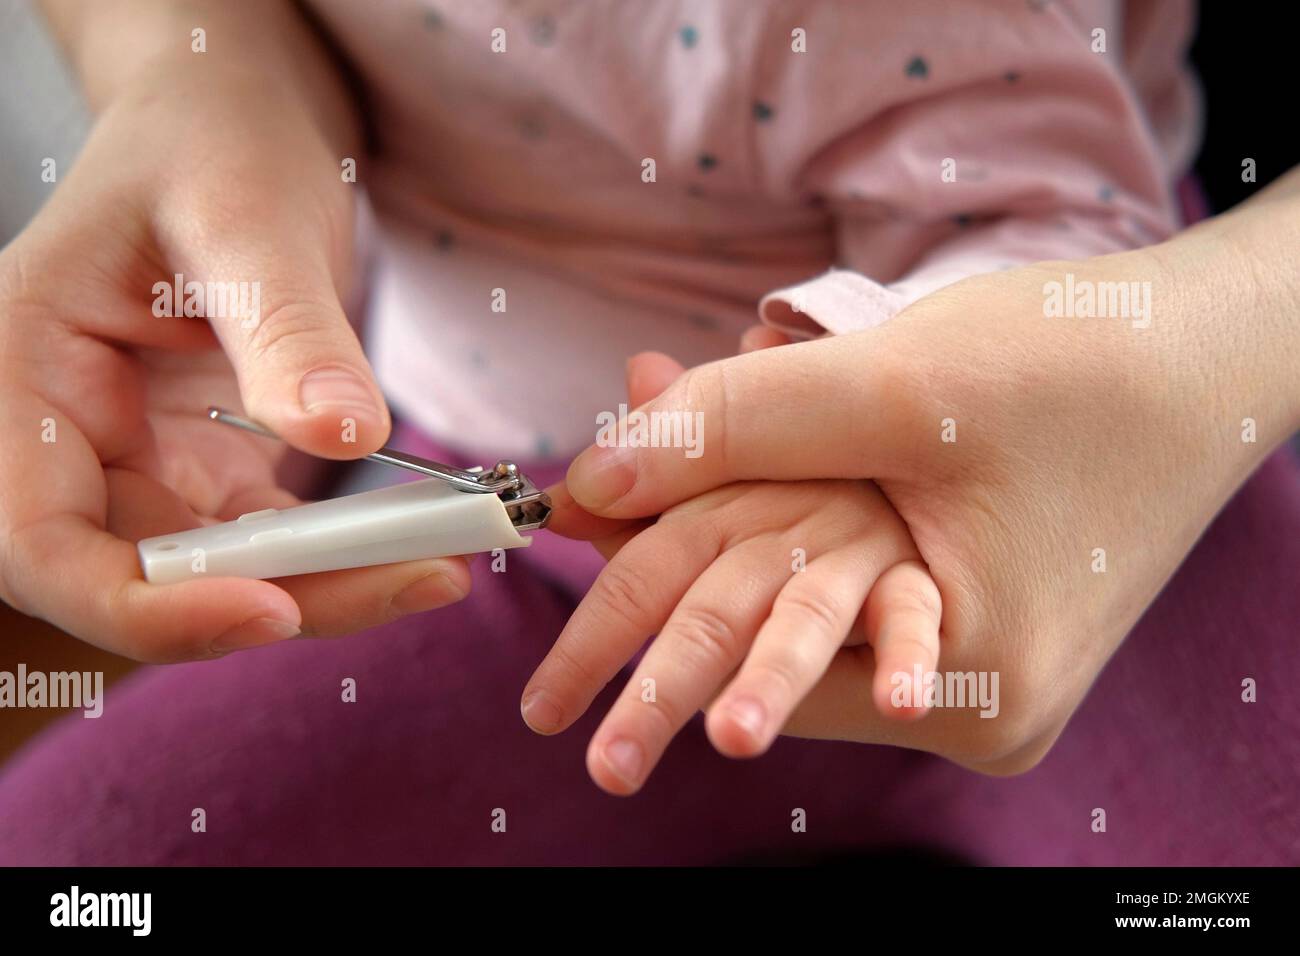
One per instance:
(828, 408)
(300, 368)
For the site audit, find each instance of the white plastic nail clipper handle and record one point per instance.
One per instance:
(432, 518)
(420, 519)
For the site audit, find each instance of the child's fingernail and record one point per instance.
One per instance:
(254, 633)
(432, 590)
(625, 758)
(540, 713)
(601, 475)
(749, 715)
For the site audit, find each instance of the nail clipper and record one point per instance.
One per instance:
(453, 511)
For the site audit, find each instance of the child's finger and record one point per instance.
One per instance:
(810, 619)
(703, 642)
(614, 543)
(648, 374)
(571, 520)
(761, 337)
(903, 614)
(630, 600)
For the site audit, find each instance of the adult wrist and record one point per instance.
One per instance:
(1264, 241)
(136, 49)
(1232, 297)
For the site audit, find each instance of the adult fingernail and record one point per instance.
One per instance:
(541, 713)
(749, 715)
(625, 759)
(426, 593)
(601, 476)
(337, 386)
(255, 633)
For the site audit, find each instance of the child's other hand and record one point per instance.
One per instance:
(752, 589)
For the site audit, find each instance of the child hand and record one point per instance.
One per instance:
(752, 589)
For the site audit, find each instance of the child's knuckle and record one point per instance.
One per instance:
(916, 597)
(707, 635)
(623, 591)
(817, 607)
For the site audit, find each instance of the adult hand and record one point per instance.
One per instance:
(220, 170)
(1021, 451)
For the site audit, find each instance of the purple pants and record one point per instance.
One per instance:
(416, 769)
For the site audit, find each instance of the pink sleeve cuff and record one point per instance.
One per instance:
(841, 300)
(837, 301)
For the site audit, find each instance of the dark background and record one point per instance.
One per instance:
(1247, 61)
